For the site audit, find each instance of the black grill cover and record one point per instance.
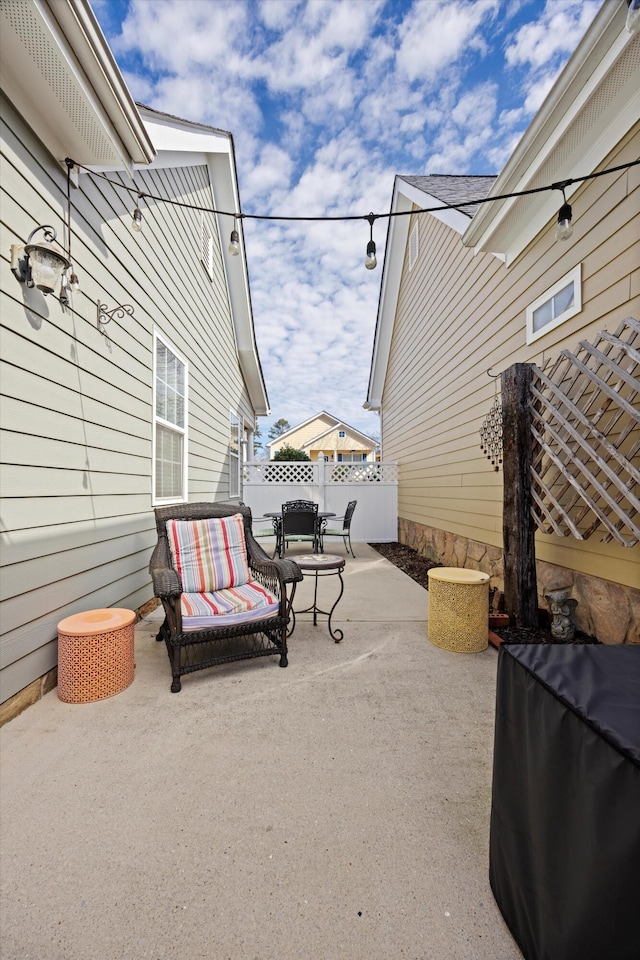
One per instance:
(565, 818)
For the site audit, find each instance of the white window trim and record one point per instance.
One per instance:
(574, 276)
(160, 501)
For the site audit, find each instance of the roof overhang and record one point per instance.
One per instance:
(59, 73)
(183, 143)
(593, 104)
(405, 196)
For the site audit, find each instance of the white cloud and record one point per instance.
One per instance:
(268, 176)
(557, 31)
(436, 33)
(179, 35)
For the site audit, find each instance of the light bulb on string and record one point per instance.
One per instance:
(633, 16)
(370, 261)
(564, 227)
(234, 241)
(136, 217)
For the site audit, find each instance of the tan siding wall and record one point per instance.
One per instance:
(76, 414)
(460, 315)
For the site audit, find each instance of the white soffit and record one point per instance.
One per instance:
(61, 76)
(594, 103)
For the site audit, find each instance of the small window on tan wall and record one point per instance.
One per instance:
(561, 301)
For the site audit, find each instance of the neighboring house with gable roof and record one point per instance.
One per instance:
(103, 421)
(466, 293)
(327, 435)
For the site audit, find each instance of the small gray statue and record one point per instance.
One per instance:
(563, 608)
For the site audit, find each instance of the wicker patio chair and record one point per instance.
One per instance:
(299, 523)
(244, 614)
(343, 530)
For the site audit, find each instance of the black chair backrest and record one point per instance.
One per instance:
(299, 517)
(349, 513)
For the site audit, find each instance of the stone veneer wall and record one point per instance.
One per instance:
(605, 610)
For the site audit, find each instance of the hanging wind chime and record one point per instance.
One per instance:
(491, 432)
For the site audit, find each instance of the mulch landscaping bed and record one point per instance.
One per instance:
(417, 567)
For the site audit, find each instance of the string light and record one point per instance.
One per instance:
(370, 261)
(234, 241)
(136, 216)
(564, 227)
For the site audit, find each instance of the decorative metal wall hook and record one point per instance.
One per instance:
(105, 316)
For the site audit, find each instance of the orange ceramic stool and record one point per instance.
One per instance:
(95, 654)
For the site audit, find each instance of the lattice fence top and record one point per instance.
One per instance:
(362, 473)
(586, 439)
(281, 471)
(303, 471)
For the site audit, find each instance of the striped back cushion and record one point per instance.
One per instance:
(209, 554)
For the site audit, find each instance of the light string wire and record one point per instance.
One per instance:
(370, 217)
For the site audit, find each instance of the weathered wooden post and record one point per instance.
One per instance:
(518, 528)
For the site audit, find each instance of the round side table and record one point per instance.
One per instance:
(95, 654)
(319, 565)
(458, 617)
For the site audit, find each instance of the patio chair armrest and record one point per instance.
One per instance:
(166, 582)
(286, 571)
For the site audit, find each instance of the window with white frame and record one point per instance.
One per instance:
(413, 245)
(169, 423)
(206, 246)
(342, 434)
(235, 454)
(351, 457)
(561, 301)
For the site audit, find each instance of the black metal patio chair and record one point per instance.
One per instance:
(343, 528)
(299, 523)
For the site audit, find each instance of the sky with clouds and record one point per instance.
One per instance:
(327, 100)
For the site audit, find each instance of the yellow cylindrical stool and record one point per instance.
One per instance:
(459, 609)
(95, 654)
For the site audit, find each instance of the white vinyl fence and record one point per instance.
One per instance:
(268, 484)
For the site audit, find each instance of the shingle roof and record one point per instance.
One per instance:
(454, 188)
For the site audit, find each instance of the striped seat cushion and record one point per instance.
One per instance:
(209, 554)
(220, 608)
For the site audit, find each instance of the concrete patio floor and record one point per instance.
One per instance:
(338, 808)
